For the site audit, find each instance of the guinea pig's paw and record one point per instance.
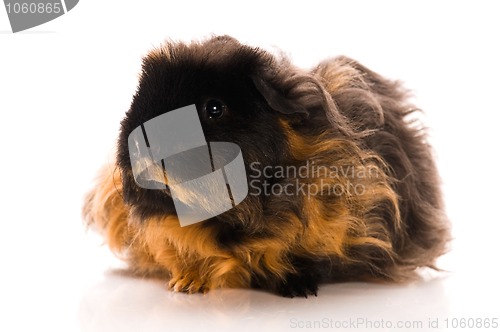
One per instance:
(187, 284)
(299, 284)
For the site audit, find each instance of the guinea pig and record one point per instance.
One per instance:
(342, 184)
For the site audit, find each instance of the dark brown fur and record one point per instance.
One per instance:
(339, 115)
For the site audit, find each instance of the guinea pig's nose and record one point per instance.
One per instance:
(164, 136)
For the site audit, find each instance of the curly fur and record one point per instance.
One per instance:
(340, 114)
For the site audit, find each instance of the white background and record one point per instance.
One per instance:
(65, 85)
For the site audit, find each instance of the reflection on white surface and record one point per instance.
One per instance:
(121, 303)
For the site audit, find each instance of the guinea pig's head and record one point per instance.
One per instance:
(242, 95)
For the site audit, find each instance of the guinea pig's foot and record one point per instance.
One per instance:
(301, 285)
(187, 284)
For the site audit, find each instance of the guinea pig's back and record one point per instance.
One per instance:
(380, 107)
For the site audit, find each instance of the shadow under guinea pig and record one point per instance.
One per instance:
(122, 303)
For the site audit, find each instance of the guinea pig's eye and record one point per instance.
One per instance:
(214, 108)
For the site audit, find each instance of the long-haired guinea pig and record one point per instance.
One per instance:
(341, 180)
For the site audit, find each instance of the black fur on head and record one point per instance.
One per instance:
(248, 80)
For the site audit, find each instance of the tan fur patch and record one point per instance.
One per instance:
(189, 254)
(336, 226)
(339, 74)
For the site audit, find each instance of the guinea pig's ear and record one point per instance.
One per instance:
(276, 99)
